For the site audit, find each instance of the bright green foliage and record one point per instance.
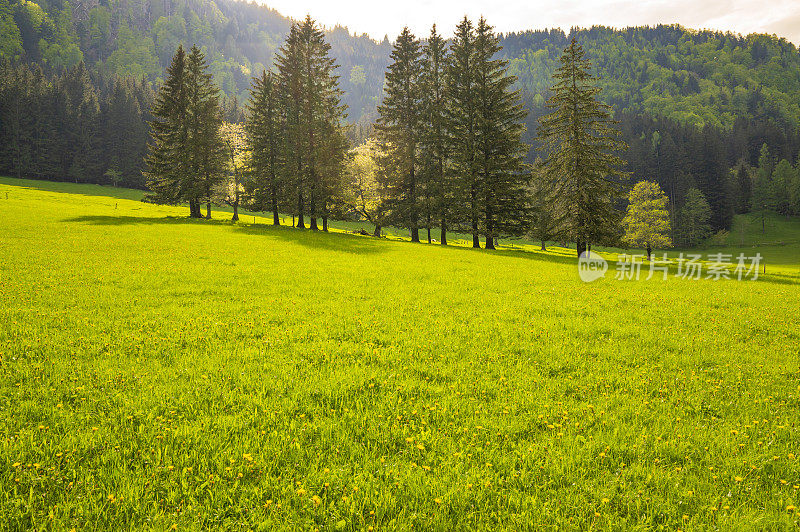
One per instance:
(646, 222)
(580, 143)
(693, 220)
(134, 56)
(696, 78)
(10, 39)
(61, 51)
(398, 131)
(184, 365)
(238, 155)
(364, 194)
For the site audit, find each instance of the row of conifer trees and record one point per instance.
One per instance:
(447, 144)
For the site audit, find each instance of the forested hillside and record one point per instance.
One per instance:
(697, 108)
(137, 38)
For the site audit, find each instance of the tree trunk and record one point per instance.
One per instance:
(235, 212)
(276, 220)
(208, 210)
(476, 238)
(414, 216)
(649, 252)
(377, 232)
(443, 238)
(313, 209)
(429, 233)
(489, 241)
(194, 208)
(581, 245)
(544, 248)
(300, 222)
(325, 223)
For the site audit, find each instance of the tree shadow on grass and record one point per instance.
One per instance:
(334, 241)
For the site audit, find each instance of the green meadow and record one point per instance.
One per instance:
(158, 372)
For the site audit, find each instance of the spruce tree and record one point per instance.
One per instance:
(322, 115)
(500, 153)
(290, 84)
(168, 171)
(461, 126)
(580, 142)
(125, 134)
(206, 148)
(398, 129)
(80, 137)
(264, 132)
(433, 136)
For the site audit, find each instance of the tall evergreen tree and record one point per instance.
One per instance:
(323, 115)
(462, 117)
(433, 136)
(314, 149)
(398, 129)
(264, 133)
(206, 148)
(290, 62)
(500, 154)
(581, 142)
(168, 171)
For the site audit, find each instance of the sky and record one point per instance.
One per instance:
(387, 17)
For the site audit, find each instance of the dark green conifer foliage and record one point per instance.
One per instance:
(322, 119)
(80, 141)
(398, 131)
(462, 119)
(581, 142)
(168, 171)
(186, 158)
(289, 62)
(433, 137)
(264, 133)
(500, 154)
(206, 149)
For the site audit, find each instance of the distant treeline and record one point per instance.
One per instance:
(71, 127)
(696, 108)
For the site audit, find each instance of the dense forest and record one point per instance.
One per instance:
(707, 111)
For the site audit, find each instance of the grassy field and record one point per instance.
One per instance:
(158, 372)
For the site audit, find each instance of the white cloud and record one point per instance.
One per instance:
(781, 17)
